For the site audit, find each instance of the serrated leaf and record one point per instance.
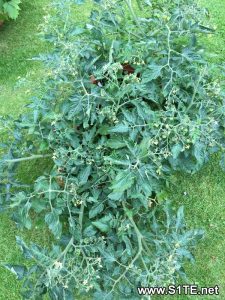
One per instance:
(101, 226)
(130, 117)
(144, 148)
(77, 31)
(95, 210)
(22, 216)
(38, 205)
(115, 196)
(54, 224)
(128, 245)
(119, 128)
(199, 152)
(23, 247)
(12, 8)
(185, 253)
(117, 161)
(115, 143)
(103, 130)
(151, 73)
(89, 231)
(180, 218)
(176, 150)
(123, 181)
(108, 256)
(60, 293)
(19, 271)
(84, 174)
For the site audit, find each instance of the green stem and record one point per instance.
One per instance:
(195, 91)
(81, 214)
(27, 158)
(138, 254)
(66, 249)
(139, 235)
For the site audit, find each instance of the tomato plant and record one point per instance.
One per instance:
(130, 97)
(9, 9)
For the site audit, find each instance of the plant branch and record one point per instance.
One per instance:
(15, 160)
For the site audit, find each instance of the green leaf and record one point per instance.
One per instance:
(115, 196)
(89, 231)
(176, 150)
(115, 143)
(18, 199)
(23, 217)
(59, 292)
(103, 130)
(151, 73)
(11, 8)
(117, 161)
(108, 257)
(77, 31)
(162, 195)
(84, 174)
(180, 217)
(185, 253)
(38, 205)
(120, 128)
(144, 148)
(95, 210)
(130, 117)
(19, 271)
(123, 181)
(128, 245)
(23, 247)
(101, 226)
(54, 224)
(199, 152)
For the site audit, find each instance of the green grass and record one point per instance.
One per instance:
(18, 43)
(203, 196)
(204, 201)
(215, 42)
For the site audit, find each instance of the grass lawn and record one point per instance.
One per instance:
(202, 194)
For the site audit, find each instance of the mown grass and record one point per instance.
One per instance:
(18, 43)
(202, 194)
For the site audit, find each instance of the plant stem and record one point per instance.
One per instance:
(66, 249)
(81, 214)
(138, 254)
(14, 160)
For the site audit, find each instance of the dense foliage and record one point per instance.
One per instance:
(9, 9)
(128, 99)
